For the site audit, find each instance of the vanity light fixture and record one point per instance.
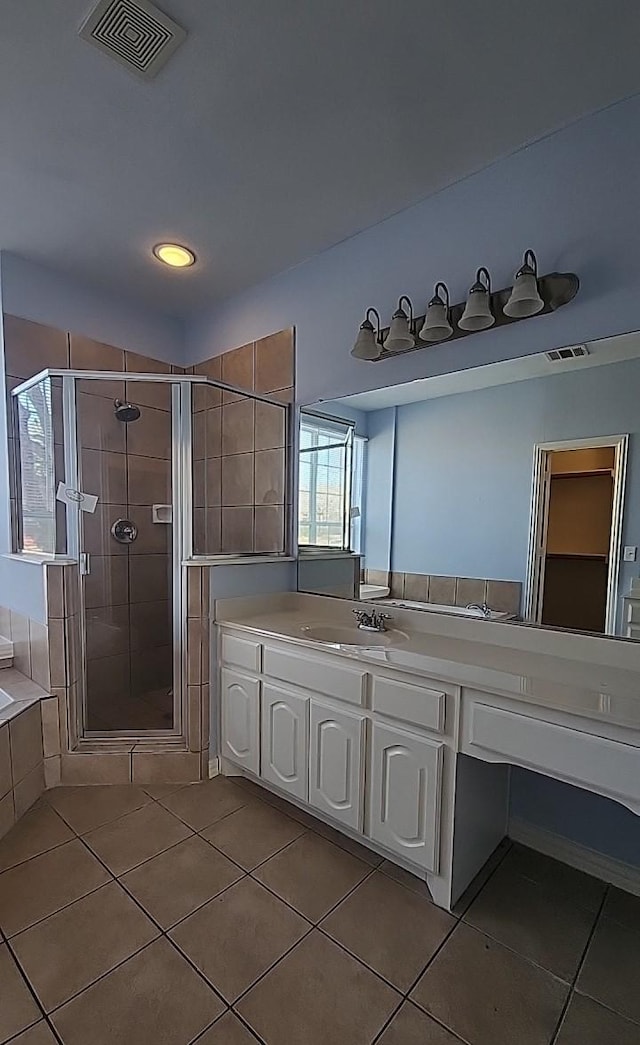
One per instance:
(484, 308)
(174, 255)
(525, 299)
(477, 313)
(400, 336)
(368, 343)
(436, 326)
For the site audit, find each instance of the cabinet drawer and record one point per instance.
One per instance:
(597, 763)
(322, 675)
(417, 704)
(244, 653)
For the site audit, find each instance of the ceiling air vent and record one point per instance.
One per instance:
(135, 33)
(559, 355)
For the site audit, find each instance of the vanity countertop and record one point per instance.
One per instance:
(564, 683)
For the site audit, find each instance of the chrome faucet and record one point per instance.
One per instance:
(483, 608)
(373, 621)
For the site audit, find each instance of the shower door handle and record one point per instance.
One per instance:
(85, 564)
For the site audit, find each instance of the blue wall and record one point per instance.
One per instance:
(463, 468)
(572, 197)
(378, 507)
(35, 292)
(590, 820)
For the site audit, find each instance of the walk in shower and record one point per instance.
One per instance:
(136, 479)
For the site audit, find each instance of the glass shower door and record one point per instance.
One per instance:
(127, 553)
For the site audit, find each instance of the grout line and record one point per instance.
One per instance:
(572, 985)
(58, 909)
(163, 934)
(35, 998)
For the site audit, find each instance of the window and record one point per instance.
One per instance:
(357, 493)
(324, 483)
(37, 486)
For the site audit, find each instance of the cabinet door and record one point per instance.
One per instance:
(406, 772)
(285, 740)
(336, 766)
(240, 698)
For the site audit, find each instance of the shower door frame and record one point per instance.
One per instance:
(182, 523)
(179, 454)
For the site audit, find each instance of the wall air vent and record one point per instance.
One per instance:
(560, 355)
(135, 33)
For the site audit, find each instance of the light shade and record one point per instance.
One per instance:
(400, 337)
(525, 299)
(368, 342)
(436, 326)
(477, 313)
(174, 255)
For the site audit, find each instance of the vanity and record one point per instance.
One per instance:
(404, 740)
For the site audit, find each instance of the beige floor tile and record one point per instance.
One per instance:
(404, 934)
(318, 995)
(85, 808)
(136, 837)
(46, 883)
(174, 883)
(410, 881)
(237, 936)
(533, 921)
(40, 1034)
(37, 831)
(349, 844)
(488, 995)
(565, 882)
(612, 967)
(411, 1026)
(253, 834)
(18, 1009)
(66, 952)
(159, 791)
(623, 907)
(200, 805)
(155, 998)
(587, 1023)
(312, 875)
(228, 1030)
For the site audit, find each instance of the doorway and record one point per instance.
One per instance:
(575, 535)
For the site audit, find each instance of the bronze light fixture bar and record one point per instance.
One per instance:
(555, 289)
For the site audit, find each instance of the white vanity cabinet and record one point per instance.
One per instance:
(405, 789)
(336, 763)
(240, 719)
(284, 739)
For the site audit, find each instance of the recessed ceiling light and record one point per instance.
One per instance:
(174, 255)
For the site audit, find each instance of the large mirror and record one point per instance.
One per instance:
(509, 491)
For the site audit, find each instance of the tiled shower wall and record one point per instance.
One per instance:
(128, 589)
(239, 472)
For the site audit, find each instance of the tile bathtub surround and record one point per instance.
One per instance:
(505, 596)
(21, 765)
(297, 955)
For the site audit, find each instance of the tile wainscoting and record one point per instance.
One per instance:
(505, 596)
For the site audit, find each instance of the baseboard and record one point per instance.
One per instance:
(616, 872)
(214, 766)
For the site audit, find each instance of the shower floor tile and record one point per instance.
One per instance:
(129, 915)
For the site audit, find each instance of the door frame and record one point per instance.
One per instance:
(539, 516)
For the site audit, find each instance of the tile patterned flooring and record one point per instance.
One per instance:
(217, 914)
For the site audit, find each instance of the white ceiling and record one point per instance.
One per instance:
(600, 353)
(279, 128)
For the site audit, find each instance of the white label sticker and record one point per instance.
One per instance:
(86, 501)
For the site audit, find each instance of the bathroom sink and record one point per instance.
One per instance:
(349, 635)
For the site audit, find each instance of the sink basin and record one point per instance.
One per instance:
(348, 635)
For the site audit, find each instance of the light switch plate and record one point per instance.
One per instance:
(630, 553)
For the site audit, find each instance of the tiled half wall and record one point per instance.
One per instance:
(240, 449)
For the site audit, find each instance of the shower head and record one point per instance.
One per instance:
(126, 411)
